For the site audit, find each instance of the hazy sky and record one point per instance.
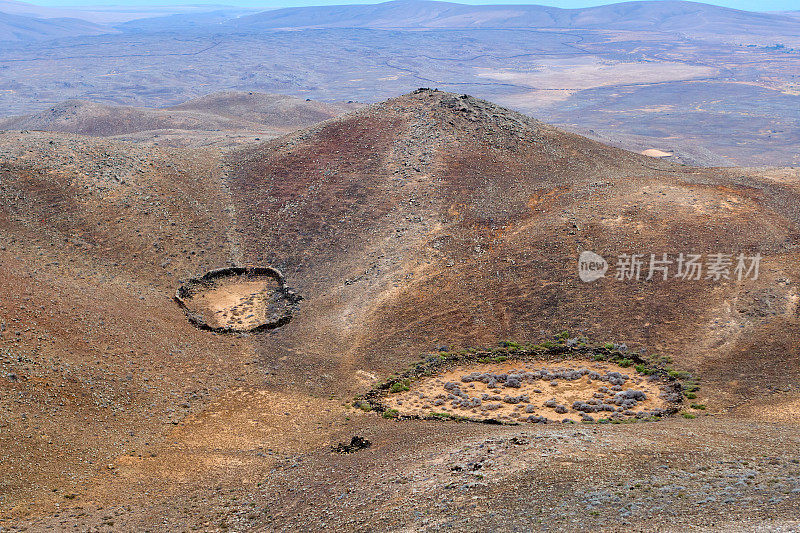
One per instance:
(752, 5)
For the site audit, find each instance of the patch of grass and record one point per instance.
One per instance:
(364, 406)
(599, 357)
(699, 406)
(564, 335)
(400, 386)
(678, 374)
(391, 413)
(688, 415)
(609, 346)
(690, 395)
(642, 369)
(625, 363)
(690, 386)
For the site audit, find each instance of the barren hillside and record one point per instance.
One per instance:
(220, 119)
(426, 224)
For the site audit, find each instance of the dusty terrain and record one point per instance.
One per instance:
(430, 222)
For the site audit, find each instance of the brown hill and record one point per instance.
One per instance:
(429, 220)
(197, 121)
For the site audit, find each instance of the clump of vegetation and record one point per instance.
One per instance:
(698, 406)
(391, 413)
(625, 363)
(363, 405)
(400, 386)
(688, 415)
(679, 374)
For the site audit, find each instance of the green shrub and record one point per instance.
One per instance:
(698, 406)
(679, 374)
(391, 413)
(691, 395)
(690, 386)
(400, 386)
(625, 363)
(688, 415)
(609, 346)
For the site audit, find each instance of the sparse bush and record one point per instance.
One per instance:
(400, 386)
(625, 363)
(698, 406)
(690, 386)
(391, 413)
(691, 395)
(678, 374)
(688, 415)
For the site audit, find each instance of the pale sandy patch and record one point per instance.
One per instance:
(655, 152)
(422, 397)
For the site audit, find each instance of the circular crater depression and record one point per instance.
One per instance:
(238, 299)
(568, 390)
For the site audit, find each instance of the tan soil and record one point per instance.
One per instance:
(654, 152)
(239, 303)
(419, 400)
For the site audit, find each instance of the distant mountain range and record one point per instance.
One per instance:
(20, 21)
(23, 28)
(665, 15)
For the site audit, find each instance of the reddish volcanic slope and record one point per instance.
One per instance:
(431, 220)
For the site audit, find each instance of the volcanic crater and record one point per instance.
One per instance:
(238, 299)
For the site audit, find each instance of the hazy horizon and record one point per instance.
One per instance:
(747, 5)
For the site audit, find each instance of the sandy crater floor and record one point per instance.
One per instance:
(235, 302)
(534, 391)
